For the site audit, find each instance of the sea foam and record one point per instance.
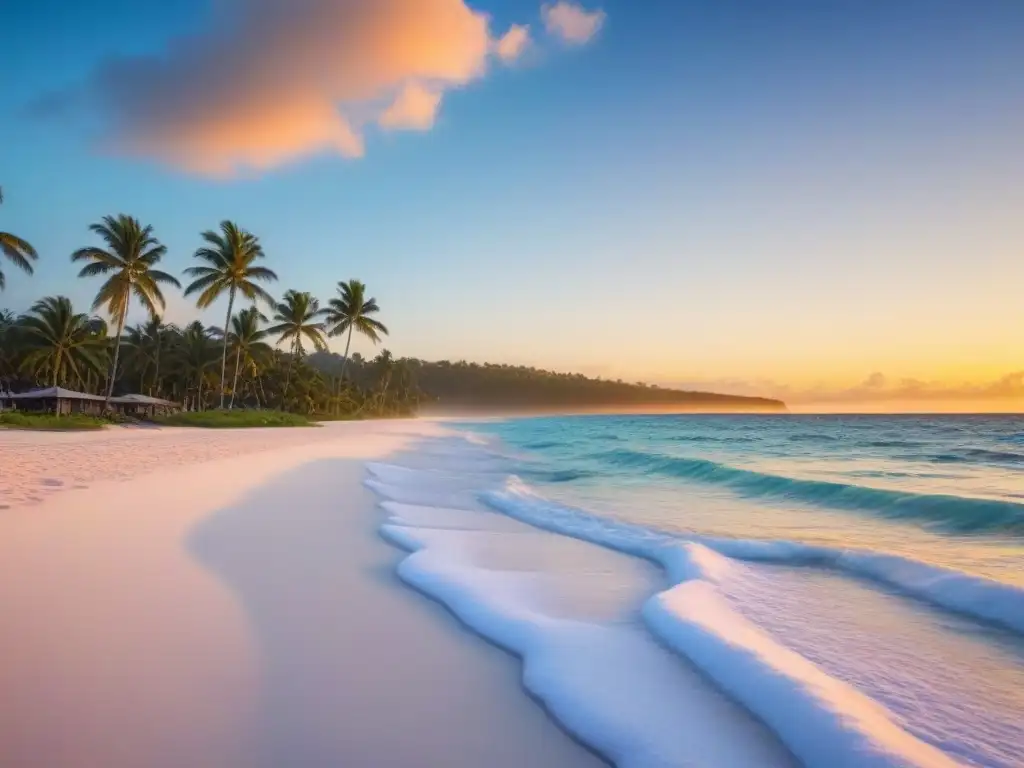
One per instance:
(972, 595)
(608, 683)
(598, 680)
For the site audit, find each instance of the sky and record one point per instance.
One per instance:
(816, 199)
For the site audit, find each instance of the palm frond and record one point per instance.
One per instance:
(204, 282)
(163, 277)
(210, 294)
(200, 271)
(149, 295)
(262, 273)
(113, 295)
(215, 257)
(153, 255)
(97, 255)
(94, 269)
(18, 251)
(254, 293)
(227, 256)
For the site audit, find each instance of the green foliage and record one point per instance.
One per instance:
(352, 311)
(297, 321)
(16, 250)
(47, 421)
(235, 419)
(58, 345)
(54, 344)
(246, 343)
(471, 386)
(129, 262)
(229, 268)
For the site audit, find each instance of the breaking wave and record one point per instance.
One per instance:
(956, 514)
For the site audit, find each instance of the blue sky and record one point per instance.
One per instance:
(791, 194)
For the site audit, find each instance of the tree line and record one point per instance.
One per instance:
(237, 364)
(482, 387)
(54, 344)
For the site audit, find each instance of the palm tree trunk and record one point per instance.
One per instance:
(224, 354)
(263, 392)
(234, 384)
(156, 368)
(344, 360)
(117, 354)
(384, 392)
(288, 373)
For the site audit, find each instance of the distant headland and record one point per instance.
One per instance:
(462, 388)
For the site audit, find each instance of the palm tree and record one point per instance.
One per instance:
(131, 255)
(19, 252)
(8, 347)
(296, 316)
(383, 366)
(229, 256)
(194, 355)
(246, 339)
(149, 343)
(351, 311)
(59, 342)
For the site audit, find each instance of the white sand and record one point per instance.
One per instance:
(227, 602)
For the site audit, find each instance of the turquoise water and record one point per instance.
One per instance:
(738, 590)
(945, 489)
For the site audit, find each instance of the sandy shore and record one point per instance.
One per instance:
(182, 598)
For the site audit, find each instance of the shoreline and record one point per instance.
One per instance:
(198, 614)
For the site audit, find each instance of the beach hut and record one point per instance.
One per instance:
(65, 401)
(55, 400)
(143, 406)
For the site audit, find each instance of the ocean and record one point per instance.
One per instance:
(738, 590)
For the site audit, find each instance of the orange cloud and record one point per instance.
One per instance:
(1006, 392)
(511, 46)
(414, 109)
(271, 81)
(571, 22)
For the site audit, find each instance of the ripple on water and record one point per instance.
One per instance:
(953, 682)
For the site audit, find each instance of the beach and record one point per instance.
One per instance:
(547, 592)
(175, 597)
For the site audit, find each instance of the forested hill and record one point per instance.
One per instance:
(461, 386)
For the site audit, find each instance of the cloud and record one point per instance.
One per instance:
(876, 388)
(271, 81)
(414, 109)
(572, 22)
(511, 46)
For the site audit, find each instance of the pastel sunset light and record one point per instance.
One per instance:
(814, 200)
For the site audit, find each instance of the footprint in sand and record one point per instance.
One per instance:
(49, 482)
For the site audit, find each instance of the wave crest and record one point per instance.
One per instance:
(957, 514)
(975, 596)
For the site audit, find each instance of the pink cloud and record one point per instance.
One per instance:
(572, 22)
(511, 46)
(414, 109)
(271, 81)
